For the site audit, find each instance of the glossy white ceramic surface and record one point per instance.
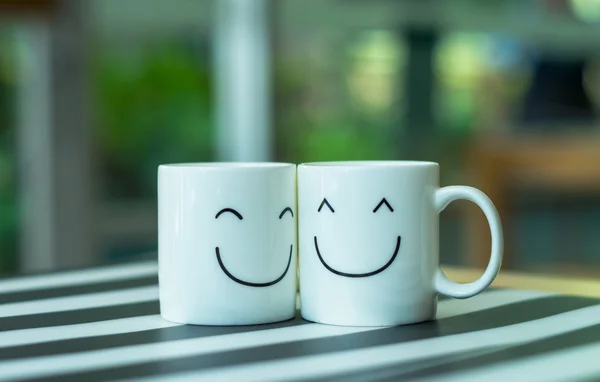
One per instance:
(368, 239)
(227, 242)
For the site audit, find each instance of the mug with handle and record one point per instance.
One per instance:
(369, 242)
(227, 242)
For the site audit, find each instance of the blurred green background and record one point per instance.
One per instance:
(353, 79)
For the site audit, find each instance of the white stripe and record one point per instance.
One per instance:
(90, 329)
(82, 301)
(580, 363)
(79, 277)
(327, 365)
(97, 359)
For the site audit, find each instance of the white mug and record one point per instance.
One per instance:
(368, 237)
(227, 242)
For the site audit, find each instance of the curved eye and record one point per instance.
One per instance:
(325, 203)
(230, 210)
(286, 209)
(383, 201)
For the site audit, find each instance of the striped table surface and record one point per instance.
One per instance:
(104, 324)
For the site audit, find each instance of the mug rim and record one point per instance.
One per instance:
(226, 165)
(370, 164)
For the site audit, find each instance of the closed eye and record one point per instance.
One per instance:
(231, 210)
(286, 209)
(325, 203)
(383, 201)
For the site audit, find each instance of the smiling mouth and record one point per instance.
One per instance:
(259, 285)
(391, 260)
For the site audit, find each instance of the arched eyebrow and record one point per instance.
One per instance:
(239, 216)
(383, 201)
(286, 209)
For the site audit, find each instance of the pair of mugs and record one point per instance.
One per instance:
(366, 234)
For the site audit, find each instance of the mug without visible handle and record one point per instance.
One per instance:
(227, 257)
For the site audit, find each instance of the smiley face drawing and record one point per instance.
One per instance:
(325, 207)
(287, 211)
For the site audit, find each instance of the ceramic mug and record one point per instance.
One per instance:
(227, 242)
(368, 237)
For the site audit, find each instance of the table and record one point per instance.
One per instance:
(104, 324)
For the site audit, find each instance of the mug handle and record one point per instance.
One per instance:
(442, 284)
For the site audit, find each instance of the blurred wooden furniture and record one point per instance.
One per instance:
(29, 7)
(498, 164)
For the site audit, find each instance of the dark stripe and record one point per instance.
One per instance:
(136, 338)
(402, 368)
(443, 297)
(38, 294)
(81, 316)
(141, 258)
(486, 319)
(560, 342)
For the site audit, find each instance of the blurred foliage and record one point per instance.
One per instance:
(8, 234)
(305, 132)
(342, 143)
(336, 109)
(309, 132)
(481, 81)
(9, 224)
(154, 107)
